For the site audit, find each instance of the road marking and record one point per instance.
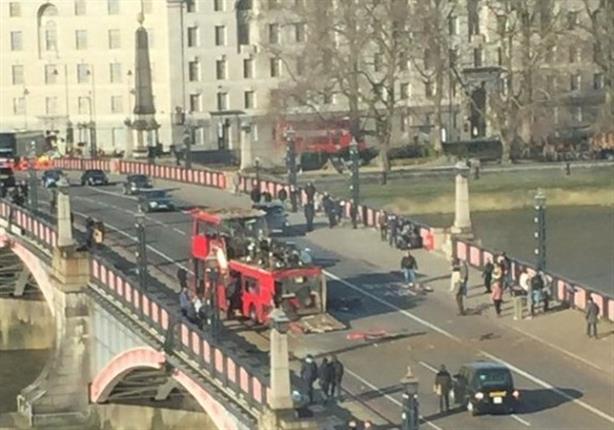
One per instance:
(437, 329)
(113, 193)
(428, 366)
(520, 420)
(558, 348)
(387, 396)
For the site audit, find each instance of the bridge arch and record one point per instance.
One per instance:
(146, 357)
(39, 270)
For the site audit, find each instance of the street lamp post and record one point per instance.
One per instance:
(540, 229)
(410, 417)
(26, 93)
(291, 165)
(257, 165)
(32, 179)
(355, 181)
(92, 124)
(141, 253)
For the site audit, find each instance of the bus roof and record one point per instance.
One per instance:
(218, 216)
(276, 273)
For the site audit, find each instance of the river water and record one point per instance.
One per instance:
(580, 239)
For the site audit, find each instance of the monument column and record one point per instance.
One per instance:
(462, 217)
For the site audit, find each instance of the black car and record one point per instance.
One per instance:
(275, 216)
(7, 177)
(94, 177)
(135, 183)
(155, 200)
(485, 387)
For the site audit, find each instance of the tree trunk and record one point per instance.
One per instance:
(506, 148)
(385, 162)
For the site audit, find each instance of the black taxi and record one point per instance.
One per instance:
(485, 387)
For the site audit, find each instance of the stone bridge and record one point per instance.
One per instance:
(115, 341)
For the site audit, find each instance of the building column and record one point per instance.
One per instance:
(129, 143)
(462, 216)
(65, 237)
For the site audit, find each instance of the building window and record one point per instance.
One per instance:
(275, 66)
(248, 68)
(575, 55)
(428, 89)
(300, 66)
(192, 37)
(249, 101)
(404, 91)
(147, 6)
(191, 6)
(299, 32)
(551, 54)
(500, 56)
(17, 74)
(19, 105)
(452, 25)
(115, 73)
(243, 33)
(16, 41)
(51, 38)
(572, 19)
(114, 39)
(83, 73)
(81, 39)
(51, 105)
(598, 81)
(575, 82)
(577, 113)
(51, 74)
(80, 7)
(477, 57)
(14, 9)
(113, 7)
(117, 104)
(473, 18)
(195, 103)
(220, 35)
(222, 101)
(84, 105)
(452, 57)
(274, 34)
(218, 5)
(194, 71)
(220, 69)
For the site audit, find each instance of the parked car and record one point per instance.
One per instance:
(51, 178)
(155, 200)
(275, 216)
(94, 177)
(485, 387)
(135, 183)
(7, 177)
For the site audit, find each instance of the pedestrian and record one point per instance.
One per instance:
(442, 387)
(487, 274)
(393, 224)
(497, 293)
(592, 316)
(383, 225)
(89, 232)
(255, 193)
(329, 210)
(506, 271)
(337, 377)
(309, 374)
(546, 292)
(310, 192)
(309, 215)
(325, 376)
(182, 277)
(464, 275)
(53, 199)
(184, 301)
(459, 296)
(536, 289)
(409, 265)
(454, 274)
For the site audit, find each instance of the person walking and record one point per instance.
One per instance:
(409, 265)
(464, 275)
(184, 301)
(537, 287)
(325, 376)
(393, 226)
(309, 215)
(309, 374)
(383, 225)
(592, 316)
(329, 209)
(457, 288)
(337, 377)
(454, 274)
(310, 192)
(487, 275)
(255, 193)
(182, 277)
(497, 294)
(443, 384)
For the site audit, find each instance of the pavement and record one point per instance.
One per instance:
(566, 379)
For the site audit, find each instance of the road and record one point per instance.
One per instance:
(558, 392)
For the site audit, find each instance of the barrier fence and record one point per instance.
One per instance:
(41, 232)
(369, 217)
(562, 289)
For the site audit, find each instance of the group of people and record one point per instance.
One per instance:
(18, 195)
(328, 204)
(192, 306)
(399, 232)
(329, 375)
(94, 232)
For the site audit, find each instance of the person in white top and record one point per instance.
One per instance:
(524, 280)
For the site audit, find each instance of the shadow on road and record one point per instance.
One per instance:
(532, 401)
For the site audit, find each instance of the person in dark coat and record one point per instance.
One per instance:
(409, 265)
(310, 191)
(443, 384)
(329, 210)
(487, 275)
(89, 232)
(255, 194)
(337, 377)
(309, 215)
(383, 225)
(182, 277)
(592, 315)
(393, 224)
(309, 374)
(325, 376)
